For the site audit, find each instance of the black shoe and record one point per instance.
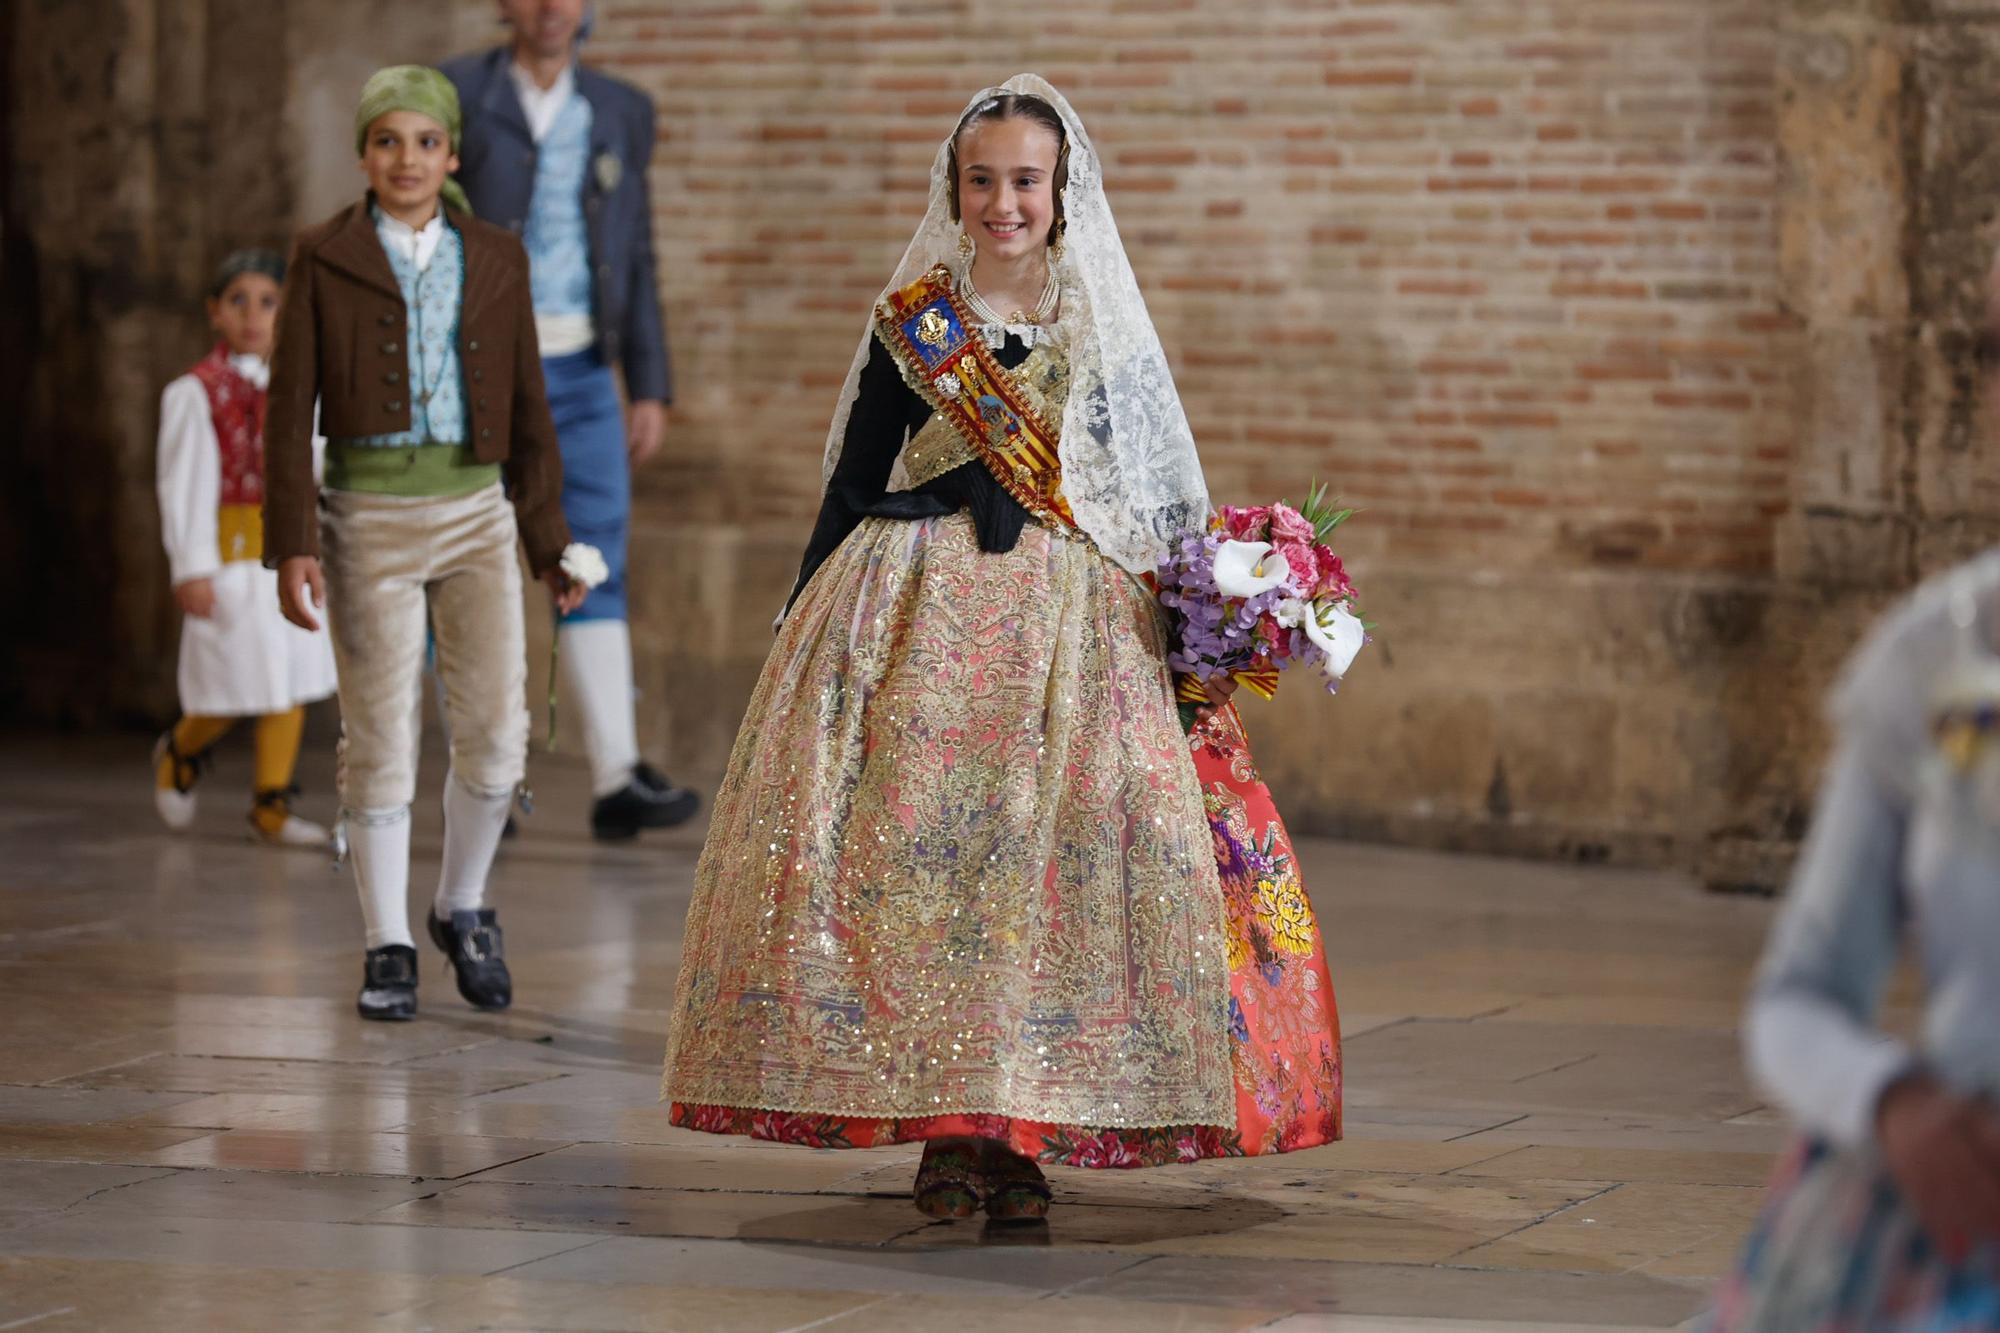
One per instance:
(509, 830)
(472, 941)
(649, 800)
(389, 984)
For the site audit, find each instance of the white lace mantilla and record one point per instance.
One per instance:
(1130, 472)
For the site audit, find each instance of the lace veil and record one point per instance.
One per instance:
(1130, 471)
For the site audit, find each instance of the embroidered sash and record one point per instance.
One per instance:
(931, 334)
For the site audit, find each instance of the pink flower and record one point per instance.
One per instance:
(1289, 525)
(1333, 580)
(1303, 560)
(1245, 523)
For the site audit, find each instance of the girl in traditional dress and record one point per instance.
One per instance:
(238, 656)
(974, 879)
(1886, 1214)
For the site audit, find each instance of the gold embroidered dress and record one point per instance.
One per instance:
(968, 872)
(959, 862)
(971, 872)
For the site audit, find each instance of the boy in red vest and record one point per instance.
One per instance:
(239, 656)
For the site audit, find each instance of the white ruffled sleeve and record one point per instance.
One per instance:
(190, 482)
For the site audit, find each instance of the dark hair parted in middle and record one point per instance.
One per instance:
(1016, 106)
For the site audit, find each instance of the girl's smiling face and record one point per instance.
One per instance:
(406, 158)
(1006, 185)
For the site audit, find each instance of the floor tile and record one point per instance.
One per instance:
(430, 1156)
(1548, 1124)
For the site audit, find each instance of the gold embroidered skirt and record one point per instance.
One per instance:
(960, 861)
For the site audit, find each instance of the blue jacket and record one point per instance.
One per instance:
(497, 157)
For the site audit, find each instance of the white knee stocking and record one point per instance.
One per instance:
(472, 825)
(597, 676)
(380, 846)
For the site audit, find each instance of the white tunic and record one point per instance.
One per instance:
(245, 659)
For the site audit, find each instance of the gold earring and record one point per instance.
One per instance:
(964, 245)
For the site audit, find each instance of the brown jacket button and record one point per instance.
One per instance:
(482, 402)
(485, 432)
(393, 405)
(389, 347)
(472, 346)
(388, 319)
(478, 374)
(393, 377)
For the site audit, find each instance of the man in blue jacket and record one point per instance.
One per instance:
(558, 153)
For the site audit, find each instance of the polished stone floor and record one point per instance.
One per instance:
(1548, 1127)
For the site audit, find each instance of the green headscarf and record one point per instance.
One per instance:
(417, 88)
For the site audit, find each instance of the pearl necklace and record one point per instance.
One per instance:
(986, 314)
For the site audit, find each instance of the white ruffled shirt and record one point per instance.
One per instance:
(416, 244)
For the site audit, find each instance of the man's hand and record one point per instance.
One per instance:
(645, 429)
(1943, 1151)
(300, 581)
(569, 594)
(196, 598)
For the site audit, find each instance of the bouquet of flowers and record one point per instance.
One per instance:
(1257, 590)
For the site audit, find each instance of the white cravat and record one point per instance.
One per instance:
(252, 367)
(542, 105)
(416, 244)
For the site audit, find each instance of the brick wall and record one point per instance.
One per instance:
(1504, 273)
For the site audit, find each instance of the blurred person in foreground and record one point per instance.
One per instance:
(1886, 1213)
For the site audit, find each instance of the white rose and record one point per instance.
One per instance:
(584, 564)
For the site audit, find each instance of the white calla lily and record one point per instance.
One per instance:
(1338, 634)
(1247, 569)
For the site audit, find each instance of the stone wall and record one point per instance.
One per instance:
(145, 140)
(1640, 329)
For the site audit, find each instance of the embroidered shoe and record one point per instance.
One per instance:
(472, 941)
(1016, 1189)
(389, 984)
(951, 1180)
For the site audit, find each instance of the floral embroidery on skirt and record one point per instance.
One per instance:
(957, 862)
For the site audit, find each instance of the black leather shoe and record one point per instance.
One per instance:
(389, 984)
(649, 800)
(472, 941)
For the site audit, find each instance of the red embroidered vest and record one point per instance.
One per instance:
(237, 408)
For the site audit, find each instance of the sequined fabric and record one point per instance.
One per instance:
(1284, 1036)
(959, 863)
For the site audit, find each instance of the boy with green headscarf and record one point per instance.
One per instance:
(409, 323)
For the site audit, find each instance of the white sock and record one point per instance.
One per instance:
(596, 669)
(380, 846)
(472, 825)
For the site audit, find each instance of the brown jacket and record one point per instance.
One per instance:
(342, 334)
